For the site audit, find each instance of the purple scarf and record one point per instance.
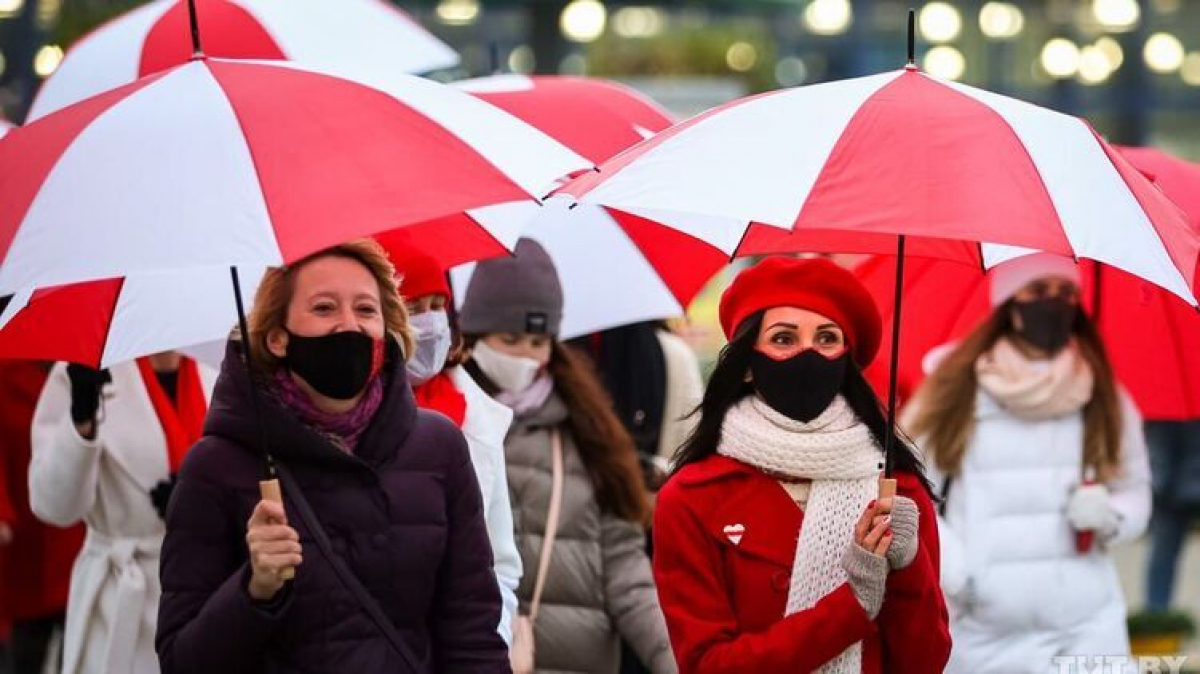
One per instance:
(345, 428)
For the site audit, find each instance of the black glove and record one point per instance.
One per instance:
(160, 496)
(85, 391)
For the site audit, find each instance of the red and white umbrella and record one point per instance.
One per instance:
(100, 323)
(846, 166)
(222, 163)
(615, 268)
(154, 37)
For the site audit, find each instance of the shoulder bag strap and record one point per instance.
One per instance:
(556, 492)
(347, 577)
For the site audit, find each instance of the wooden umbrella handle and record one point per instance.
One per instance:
(887, 487)
(269, 490)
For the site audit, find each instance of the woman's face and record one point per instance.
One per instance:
(522, 345)
(331, 294)
(426, 303)
(786, 331)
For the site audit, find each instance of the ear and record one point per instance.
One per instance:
(277, 340)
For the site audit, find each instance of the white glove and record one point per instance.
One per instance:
(1090, 509)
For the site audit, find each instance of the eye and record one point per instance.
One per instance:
(367, 309)
(539, 342)
(829, 338)
(323, 307)
(510, 339)
(783, 338)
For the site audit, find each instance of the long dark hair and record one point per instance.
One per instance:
(605, 447)
(728, 385)
(945, 402)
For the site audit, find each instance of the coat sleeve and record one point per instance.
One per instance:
(467, 607)
(64, 470)
(914, 624)
(630, 595)
(207, 621)
(1130, 491)
(704, 630)
(504, 548)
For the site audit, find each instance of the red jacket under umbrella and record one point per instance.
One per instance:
(35, 568)
(742, 585)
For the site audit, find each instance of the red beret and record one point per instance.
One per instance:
(814, 284)
(420, 274)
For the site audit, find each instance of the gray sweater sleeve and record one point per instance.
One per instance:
(630, 594)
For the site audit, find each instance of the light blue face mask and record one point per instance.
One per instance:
(433, 340)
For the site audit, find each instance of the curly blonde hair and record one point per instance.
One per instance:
(278, 284)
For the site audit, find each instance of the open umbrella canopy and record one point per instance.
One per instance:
(252, 163)
(847, 166)
(616, 268)
(1151, 335)
(318, 33)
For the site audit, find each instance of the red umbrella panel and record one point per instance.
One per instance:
(154, 37)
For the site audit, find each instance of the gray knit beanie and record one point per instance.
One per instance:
(520, 293)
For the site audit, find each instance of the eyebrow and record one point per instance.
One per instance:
(835, 326)
(783, 325)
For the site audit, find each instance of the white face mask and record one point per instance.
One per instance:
(511, 373)
(433, 345)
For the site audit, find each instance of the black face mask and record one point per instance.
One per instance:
(1046, 323)
(338, 365)
(800, 387)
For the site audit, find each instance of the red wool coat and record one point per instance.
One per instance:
(724, 541)
(35, 569)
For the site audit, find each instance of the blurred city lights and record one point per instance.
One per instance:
(945, 62)
(457, 12)
(741, 56)
(1060, 58)
(1116, 14)
(638, 21)
(47, 60)
(939, 22)
(1001, 20)
(1163, 53)
(828, 17)
(1112, 49)
(1190, 71)
(791, 71)
(521, 61)
(583, 20)
(1094, 66)
(573, 64)
(10, 7)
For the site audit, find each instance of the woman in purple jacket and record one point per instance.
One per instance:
(391, 486)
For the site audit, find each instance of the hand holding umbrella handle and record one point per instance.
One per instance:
(269, 490)
(1086, 538)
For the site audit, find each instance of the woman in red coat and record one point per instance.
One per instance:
(772, 551)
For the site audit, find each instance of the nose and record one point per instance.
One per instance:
(347, 320)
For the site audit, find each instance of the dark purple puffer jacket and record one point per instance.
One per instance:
(404, 511)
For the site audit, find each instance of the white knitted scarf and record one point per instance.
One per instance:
(837, 452)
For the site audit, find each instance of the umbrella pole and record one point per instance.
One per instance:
(1097, 291)
(194, 24)
(887, 485)
(268, 489)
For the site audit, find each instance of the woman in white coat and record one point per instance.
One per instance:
(450, 390)
(105, 447)
(1041, 463)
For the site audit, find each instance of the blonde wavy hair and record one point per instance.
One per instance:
(278, 284)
